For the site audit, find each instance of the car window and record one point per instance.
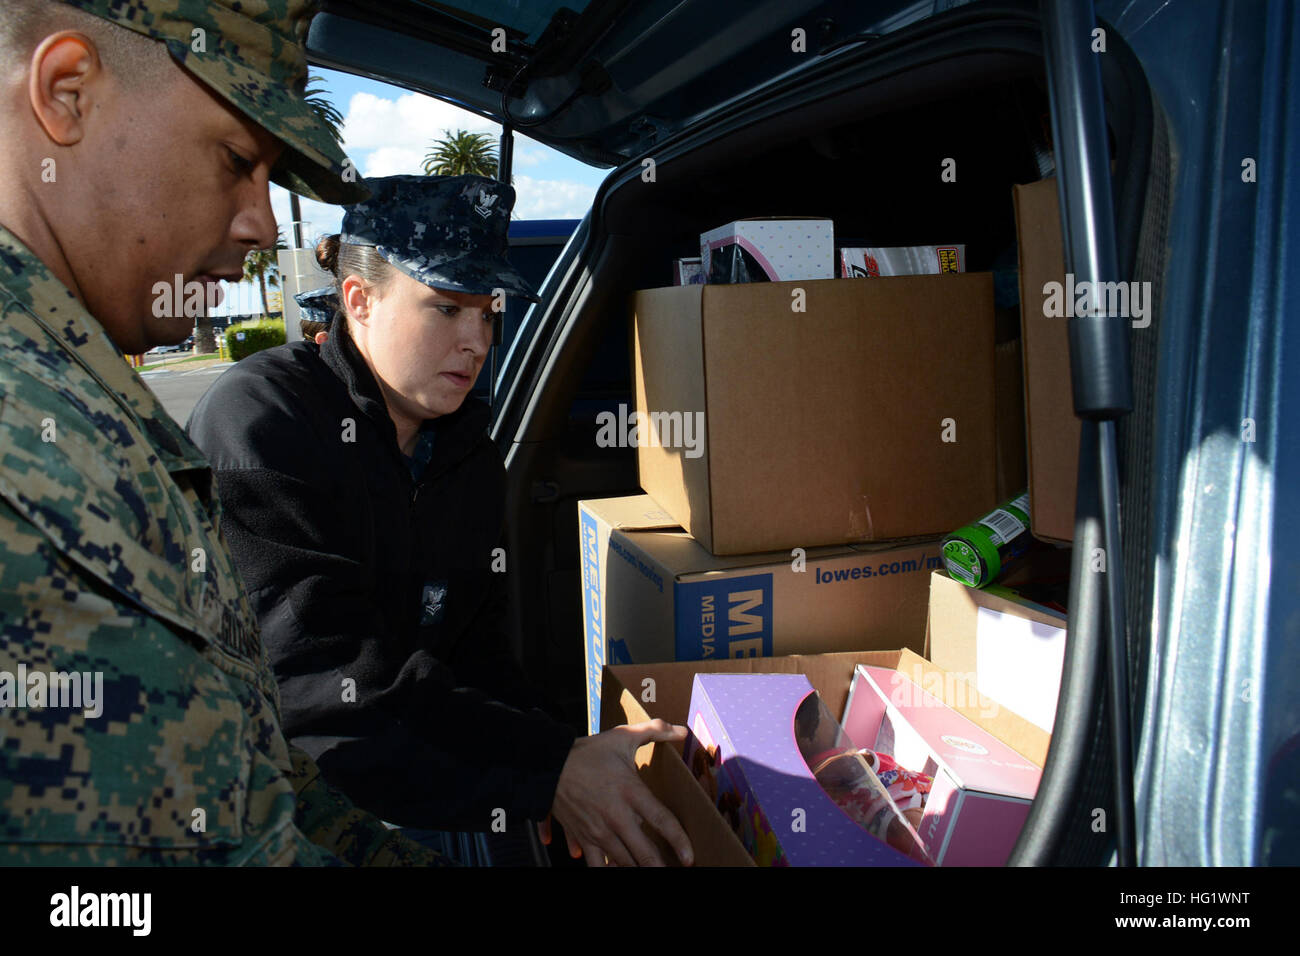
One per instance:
(387, 130)
(529, 19)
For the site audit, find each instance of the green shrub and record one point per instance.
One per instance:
(258, 334)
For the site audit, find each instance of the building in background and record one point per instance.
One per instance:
(298, 273)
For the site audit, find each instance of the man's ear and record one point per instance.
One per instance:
(63, 79)
(357, 298)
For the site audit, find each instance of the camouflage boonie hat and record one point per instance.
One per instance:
(318, 305)
(449, 232)
(252, 53)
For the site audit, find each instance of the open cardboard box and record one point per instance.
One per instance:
(652, 593)
(798, 387)
(632, 693)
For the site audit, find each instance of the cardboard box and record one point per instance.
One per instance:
(768, 250)
(867, 417)
(652, 593)
(1052, 430)
(634, 693)
(1011, 649)
(982, 788)
(1009, 393)
(745, 752)
(873, 263)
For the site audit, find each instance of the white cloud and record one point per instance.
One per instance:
(320, 218)
(411, 121)
(396, 133)
(393, 160)
(551, 198)
(529, 152)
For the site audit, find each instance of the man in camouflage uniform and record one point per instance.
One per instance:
(112, 564)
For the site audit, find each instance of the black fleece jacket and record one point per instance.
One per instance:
(376, 594)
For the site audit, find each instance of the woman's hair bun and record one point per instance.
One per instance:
(327, 254)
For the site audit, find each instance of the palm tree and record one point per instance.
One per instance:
(461, 154)
(205, 342)
(325, 110)
(261, 264)
(329, 117)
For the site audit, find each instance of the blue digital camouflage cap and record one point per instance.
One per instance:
(318, 305)
(449, 232)
(254, 56)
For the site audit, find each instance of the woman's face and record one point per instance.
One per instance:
(425, 346)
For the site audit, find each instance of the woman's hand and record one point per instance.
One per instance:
(601, 801)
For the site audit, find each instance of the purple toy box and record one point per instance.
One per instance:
(744, 749)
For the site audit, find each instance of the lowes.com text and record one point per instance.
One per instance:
(651, 430)
(831, 576)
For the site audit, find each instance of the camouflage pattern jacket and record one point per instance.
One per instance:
(139, 718)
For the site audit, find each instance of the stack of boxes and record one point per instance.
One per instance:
(803, 442)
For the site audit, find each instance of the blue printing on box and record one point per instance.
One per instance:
(723, 617)
(593, 615)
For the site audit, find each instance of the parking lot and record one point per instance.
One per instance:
(180, 388)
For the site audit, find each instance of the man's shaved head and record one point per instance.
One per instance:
(133, 58)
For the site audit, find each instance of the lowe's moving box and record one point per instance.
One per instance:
(834, 411)
(1051, 427)
(652, 593)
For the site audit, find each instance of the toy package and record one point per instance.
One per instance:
(979, 790)
(848, 775)
(871, 263)
(768, 250)
(688, 272)
(787, 779)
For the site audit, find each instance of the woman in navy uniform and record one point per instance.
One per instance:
(364, 509)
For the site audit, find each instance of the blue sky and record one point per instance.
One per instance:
(387, 130)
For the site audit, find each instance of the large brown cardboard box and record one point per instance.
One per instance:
(652, 593)
(637, 692)
(835, 411)
(1051, 428)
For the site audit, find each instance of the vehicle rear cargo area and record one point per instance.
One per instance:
(879, 177)
(938, 167)
(881, 180)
